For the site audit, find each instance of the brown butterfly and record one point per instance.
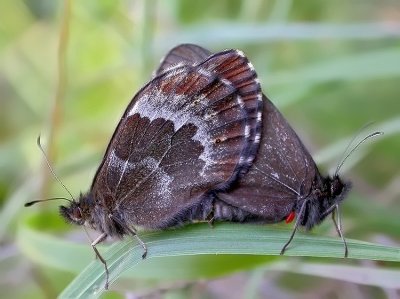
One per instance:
(201, 142)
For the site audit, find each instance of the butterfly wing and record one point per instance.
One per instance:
(182, 135)
(236, 70)
(282, 172)
(240, 73)
(184, 54)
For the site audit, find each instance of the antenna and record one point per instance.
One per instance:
(52, 171)
(378, 133)
(28, 204)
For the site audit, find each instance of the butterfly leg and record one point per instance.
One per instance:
(338, 226)
(210, 220)
(302, 209)
(132, 232)
(211, 216)
(100, 239)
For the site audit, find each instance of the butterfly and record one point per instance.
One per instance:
(200, 141)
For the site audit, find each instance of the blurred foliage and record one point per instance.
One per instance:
(331, 66)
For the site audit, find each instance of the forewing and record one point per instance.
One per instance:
(240, 73)
(233, 68)
(282, 172)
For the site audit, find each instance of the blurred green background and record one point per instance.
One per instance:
(69, 68)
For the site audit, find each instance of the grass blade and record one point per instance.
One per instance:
(192, 252)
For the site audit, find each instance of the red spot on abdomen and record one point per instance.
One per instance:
(290, 217)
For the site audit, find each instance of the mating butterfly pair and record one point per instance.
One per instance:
(201, 142)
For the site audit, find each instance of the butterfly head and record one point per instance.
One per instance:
(325, 197)
(77, 212)
(335, 192)
(337, 189)
(73, 213)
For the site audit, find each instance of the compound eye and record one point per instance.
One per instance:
(77, 214)
(336, 188)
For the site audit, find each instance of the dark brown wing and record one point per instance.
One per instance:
(182, 135)
(237, 71)
(184, 54)
(283, 171)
